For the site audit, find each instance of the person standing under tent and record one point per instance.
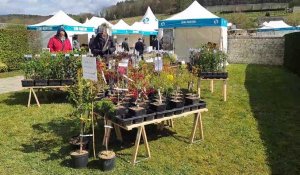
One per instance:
(91, 42)
(76, 44)
(125, 45)
(156, 44)
(139, 47)
(103, 44)
(60, 42)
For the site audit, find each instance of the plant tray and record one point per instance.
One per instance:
(67, 82)
(124, 121)
(136, 111)
(160, 115)
(149, 117)
(212, 75)
(40, 82)
(27, 83)
(169, 113)
(201, 104)
(176, 104)
(54, 82)
(139, 119)
(158, 107)
(191, 100)
(178, 110)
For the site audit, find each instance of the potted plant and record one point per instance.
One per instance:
(71, 65)
(80, 96)
(42, 69)
(56, 70)
(107, 109)
(29, 69)
(210, 62)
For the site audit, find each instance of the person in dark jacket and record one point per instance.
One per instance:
(60, 42)
(91, 42)
(139, 47)
(156, 44)
(103, 44)
(125, 45)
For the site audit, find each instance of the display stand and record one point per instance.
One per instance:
(31, 91)
(224, 89)
(142, 132)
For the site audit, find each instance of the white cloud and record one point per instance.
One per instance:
(48, 7)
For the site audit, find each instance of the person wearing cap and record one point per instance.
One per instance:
(103, 44)
(139, 47)
(60, 42)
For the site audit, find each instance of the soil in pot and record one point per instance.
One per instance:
(107, 160)
(80, 159)
(54, 82)
(27, 83)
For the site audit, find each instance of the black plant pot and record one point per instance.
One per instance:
(191, 100)
(107, 160)
(138, 119)
(120, 110)
(160, 114)
(201, 104)
(67, 82)
(136, 111)
(158, 107)
(176, 104)
(178, 110)
(54, 82)
(169, 112)
(80, 160)
(27, 83)
(123, 120)
(40, 82)
(149, 116)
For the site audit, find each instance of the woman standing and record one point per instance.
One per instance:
(60, 42)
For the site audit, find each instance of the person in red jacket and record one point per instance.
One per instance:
(60, 42)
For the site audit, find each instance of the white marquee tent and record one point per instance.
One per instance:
(193, 27)
(275, 28)
(60, 19)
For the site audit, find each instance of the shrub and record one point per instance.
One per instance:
(291, 53)
(3, 67)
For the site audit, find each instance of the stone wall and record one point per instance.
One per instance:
(256, 50)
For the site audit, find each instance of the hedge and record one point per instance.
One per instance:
(292, 52)
(16, 42)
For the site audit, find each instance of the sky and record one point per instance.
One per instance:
(49, 7)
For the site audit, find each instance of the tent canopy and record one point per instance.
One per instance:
(194, 16)
(149, 18)
(194, 27)
(96, 21)
(276, 26)
(121, 28)
(60, 19)
(143, 29)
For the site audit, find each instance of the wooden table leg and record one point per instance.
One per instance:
(137, 144)
(211, 86)
(199, 87)
(36, 99)
(118, 133)
(29, 98)
(146, 141)
(197, 123)
(225, 90)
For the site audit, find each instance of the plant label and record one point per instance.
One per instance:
(158, 63)
(89, 68)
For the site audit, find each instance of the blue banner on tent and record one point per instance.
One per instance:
(67, 28)
(278, 29)
(210, 22)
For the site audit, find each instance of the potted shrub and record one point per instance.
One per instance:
(29, 70)
(42, 70)
(210, 62)
(106, 109)
(71, 65)
(56, 70)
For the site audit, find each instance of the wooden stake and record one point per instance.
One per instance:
(93, 130)
(159, 94)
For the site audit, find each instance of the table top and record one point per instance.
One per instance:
(130, 127)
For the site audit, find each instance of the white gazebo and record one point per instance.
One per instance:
(60, 19)
(193, 27)
(275, 28)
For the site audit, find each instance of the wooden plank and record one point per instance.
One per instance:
(196, 118)
(225, 90)
(29, 98)
(36, 99)
(212, 86)
(137, 144)
(146, 141)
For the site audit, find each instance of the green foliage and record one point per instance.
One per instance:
(105, 108)
(16, 42)
(291, 53)
(3, 67)
(209, 59)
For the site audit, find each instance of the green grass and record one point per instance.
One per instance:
(255, 132)
(11, 74)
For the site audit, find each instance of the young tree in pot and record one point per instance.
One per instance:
(81, 96)
(29, 69)
(106, 109)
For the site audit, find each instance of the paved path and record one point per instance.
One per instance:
(10, 84)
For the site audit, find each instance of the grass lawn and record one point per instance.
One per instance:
(11, 74)
(255, 132)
